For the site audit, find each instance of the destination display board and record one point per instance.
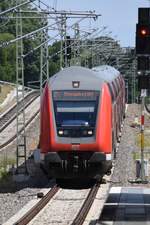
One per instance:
(75, 95)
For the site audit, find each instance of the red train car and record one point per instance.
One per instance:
(81, 114)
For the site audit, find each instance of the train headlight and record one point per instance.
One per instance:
(60, 132)
(90, 132)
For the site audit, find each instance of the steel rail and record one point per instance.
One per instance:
(11, 114)
(81, 216)
(147, 107)
(38, 207)
(15, 135)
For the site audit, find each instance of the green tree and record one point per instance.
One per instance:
(7, 59)
(7, 54)
(32, 61)
(54, 63)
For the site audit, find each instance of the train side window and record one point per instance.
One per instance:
(120, 81)
(111, 92)
(118, 84)
(115, 89)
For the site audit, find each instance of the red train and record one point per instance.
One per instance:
(81, 115)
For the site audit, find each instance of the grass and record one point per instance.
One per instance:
(146, 140)
(3, 173)
(5, 164)
(7, 161)
(137, 155)
(5, 90)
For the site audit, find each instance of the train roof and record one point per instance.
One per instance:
(105, 72)
(88, 79)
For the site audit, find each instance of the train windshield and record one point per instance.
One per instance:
(76, 118)
(75, 114)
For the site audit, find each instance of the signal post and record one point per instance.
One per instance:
(143, 68)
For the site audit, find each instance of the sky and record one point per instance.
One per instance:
(120, 16)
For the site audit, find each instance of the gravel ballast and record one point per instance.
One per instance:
(15, 195)
(125, 166)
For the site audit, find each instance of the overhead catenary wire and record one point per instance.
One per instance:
(43, 3)
(5, 44)
(57, 53)
(54, 38)
(90, 14)
(16, 7)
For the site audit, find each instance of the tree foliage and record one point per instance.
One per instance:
(8, 54)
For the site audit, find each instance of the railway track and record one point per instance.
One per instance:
(81, 215)
(11, 114)
(38, 207)
(80, 218)
(15, 135)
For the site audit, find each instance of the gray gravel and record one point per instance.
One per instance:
(125, 167)
(10, 130)
(14, 198)
(13, 195)
(62, 209)
(9, 152)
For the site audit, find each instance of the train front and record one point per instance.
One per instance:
(70, 124)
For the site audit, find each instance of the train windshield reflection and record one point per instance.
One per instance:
(75, 113)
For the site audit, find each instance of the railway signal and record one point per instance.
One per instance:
(143, 47)
(68, 47)
(143, 66)
(143, 32)
(143, 39)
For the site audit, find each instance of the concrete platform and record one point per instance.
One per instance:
(126, 205)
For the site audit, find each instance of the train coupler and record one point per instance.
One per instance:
(75, 163)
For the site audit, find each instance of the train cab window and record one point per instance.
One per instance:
(76, 117)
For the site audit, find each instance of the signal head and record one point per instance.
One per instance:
(143, 32)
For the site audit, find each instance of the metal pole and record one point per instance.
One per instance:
(61, 43)
(44, 57)
(142, 140)
(134, 71)
(92, 53)
(76, 49)
(21, 137)
(78, 43)
(65, 41)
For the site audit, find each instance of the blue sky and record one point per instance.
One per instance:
(119, 15)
